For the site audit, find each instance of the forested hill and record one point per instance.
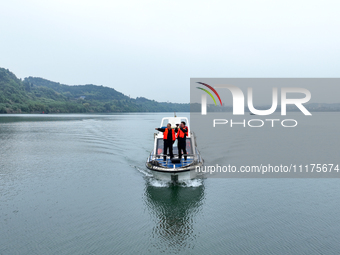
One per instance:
(37, 95)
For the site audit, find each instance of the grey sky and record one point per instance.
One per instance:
(152, 48)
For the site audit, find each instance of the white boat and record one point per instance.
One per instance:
(174, 169)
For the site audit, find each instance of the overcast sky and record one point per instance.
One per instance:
(152, 48)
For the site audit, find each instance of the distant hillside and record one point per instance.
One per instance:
(37, 95)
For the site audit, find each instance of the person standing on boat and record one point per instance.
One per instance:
(182, 133)
(169, 138)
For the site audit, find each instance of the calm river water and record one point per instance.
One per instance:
(77, 184)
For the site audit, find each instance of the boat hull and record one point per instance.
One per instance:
(174, 174)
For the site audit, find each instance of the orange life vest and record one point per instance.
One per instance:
(165, 135)
(180, 133)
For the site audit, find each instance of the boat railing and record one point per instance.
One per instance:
(158, 156)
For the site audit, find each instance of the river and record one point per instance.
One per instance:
(77, 184)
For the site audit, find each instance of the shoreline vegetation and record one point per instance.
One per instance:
(38, 95)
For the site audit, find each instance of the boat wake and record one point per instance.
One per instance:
(185, 183)
(146, 173)
(160, 183)
(192, 183)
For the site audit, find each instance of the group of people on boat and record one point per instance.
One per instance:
(169, 138)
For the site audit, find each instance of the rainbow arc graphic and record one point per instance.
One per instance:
(209, 93)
